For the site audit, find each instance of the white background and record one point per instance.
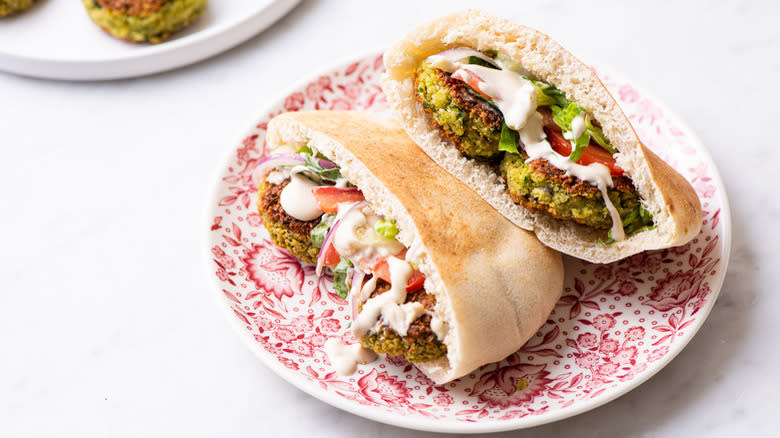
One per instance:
(108, 324)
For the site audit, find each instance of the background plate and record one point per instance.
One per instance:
(57, 40)
(615, 326)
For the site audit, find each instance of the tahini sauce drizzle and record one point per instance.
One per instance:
(356, 237)
(297, 199)
(515, 96)
(345, 358)
(390, 305)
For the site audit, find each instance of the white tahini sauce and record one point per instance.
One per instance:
(298, 201)
(533, 137)
(577, 126)
(438, 326)
(356, 237)
(515, 96)
(345, 358)
(390, 306)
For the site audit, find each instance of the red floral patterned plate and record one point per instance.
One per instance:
(615, 326)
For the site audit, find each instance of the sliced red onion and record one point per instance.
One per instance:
(271, 162)
(354, 290)
(331, 233)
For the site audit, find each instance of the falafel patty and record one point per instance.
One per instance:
(474, 127)
(286, 232)
(472, 124)
(539, 186)
(150, 21)
(420, 343)
(8, 7)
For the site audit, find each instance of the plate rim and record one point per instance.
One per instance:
(445, 425)
(151, 59)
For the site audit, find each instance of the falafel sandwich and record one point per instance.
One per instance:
(531, 128)
(432, 272)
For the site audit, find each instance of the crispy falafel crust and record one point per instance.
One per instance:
(151, 21)
(670, 199)
(541, 187)
(471, 124)
(9, 7)
(132, 7)
(420, 343)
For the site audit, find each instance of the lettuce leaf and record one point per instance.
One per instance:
(563, 117)
(508, 141)
(547, 94)
(597, 134)
(305, 149)
(313, 165)
(320, 231)
(340, 277)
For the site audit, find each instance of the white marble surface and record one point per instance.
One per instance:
(108, 325)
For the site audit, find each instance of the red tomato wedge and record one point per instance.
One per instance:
(329, 197)
(471, 79)
(382, 270)
(331, 256)
(593, 153)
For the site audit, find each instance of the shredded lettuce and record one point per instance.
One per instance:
(479, 61)
(313, 165)
(563, 117)
(386, 229)
(547, 94)
(508, 142)
(305, 149)
(638, 220)
(320, 231)
(597, 134)
(608, 241)
(340, 277)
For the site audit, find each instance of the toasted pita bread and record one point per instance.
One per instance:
(666, 194)
(494, 283)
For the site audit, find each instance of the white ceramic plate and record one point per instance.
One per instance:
(56, 40)
(615, 326)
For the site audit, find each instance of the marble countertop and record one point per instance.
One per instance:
(108, 324)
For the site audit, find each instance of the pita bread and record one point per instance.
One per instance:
(665, 193)
(494, 283)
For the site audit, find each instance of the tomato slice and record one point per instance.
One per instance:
(471, 79)
(592, 153)
(329, 197)
(415, 282)
(381, 269)
(331, 256)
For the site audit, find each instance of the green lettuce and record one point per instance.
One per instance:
(547, 94)
(508, 141)
(320, 231)
(340, 277)
(563, 117)
(597, 134)
(313, 165)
